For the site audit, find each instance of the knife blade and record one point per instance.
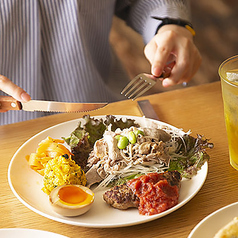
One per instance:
(147, 109)
(9, 103)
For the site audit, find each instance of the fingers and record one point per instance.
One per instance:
(181, 70)
(184, 70)
(176, 41)
(7, 86)
(185, 67)
(158, 52)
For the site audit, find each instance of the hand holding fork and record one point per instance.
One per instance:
(170, 41)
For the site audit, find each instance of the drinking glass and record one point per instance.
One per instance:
(228, 72)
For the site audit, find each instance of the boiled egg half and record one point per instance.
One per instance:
(71, 200)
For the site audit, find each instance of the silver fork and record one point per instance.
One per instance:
(139, 85)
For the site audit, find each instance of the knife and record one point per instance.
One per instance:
(9, 103)
(147, 110)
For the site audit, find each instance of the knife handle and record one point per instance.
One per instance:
(9, 103)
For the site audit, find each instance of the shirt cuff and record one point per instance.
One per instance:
(141, 15)
(151, 25)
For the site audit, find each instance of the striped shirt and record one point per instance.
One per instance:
(59, 49)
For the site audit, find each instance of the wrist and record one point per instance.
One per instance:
(179, 30)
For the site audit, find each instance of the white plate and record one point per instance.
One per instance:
(27, 233)
(26, 184)
(210, 225)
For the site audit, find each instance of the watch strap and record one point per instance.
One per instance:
(180, 22)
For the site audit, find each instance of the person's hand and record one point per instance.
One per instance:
(7, 86)
(176, 42)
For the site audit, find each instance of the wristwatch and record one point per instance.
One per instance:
(179, 22)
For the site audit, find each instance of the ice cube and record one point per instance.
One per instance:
(232, 75)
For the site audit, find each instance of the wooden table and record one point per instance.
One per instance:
(198, 109)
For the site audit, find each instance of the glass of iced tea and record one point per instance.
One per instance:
(228, 72)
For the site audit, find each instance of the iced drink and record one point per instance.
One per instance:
(228, 72)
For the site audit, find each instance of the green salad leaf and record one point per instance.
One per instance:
(75, 136)
(187, 158)
(190, 155)
(82, 139)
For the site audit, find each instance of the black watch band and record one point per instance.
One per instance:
(179, 22)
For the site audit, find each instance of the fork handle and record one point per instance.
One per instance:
(9, 103)
(165, 74)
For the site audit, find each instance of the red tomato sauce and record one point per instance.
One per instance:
(155, 193)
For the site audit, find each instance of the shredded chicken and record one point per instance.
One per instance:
(147, 152)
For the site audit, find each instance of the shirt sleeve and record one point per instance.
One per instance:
(138, 14)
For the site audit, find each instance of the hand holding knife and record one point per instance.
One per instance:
(9, 103)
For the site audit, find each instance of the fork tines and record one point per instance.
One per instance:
(138, 86)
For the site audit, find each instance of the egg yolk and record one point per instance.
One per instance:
(72, 194)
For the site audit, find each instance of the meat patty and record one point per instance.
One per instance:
(122, 197)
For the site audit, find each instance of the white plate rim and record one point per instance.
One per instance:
(26, 231)
(214, 216)
(203, 174)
